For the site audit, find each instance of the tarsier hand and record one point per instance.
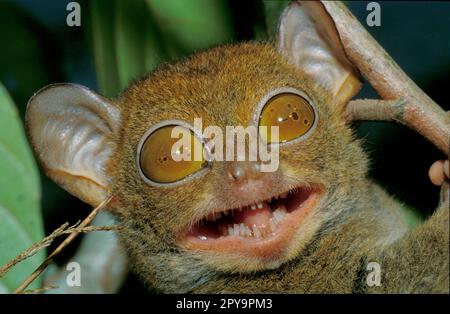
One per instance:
(439, 172)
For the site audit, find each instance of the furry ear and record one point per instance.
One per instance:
(71, 130)
(308, 38)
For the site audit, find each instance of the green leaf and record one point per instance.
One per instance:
(20, 216)
(191, 25)
(273, 10)
(138, 47)
(102, 31)
(155, 52)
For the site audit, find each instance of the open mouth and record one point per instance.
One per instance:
(264, 229)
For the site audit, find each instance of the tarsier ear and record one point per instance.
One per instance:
(71, 129)
(308, 38)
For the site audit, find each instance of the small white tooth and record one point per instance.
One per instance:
(284, 195)
(278, 214)
(237, 229)
(282, 208)
(248, 232)
(230, 230)
(256, 231)
(202, 237)
(253, 207)
(272, 225)
(274, 218)
(260, 205)
(242, 229)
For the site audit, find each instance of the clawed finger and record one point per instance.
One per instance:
(439, 172)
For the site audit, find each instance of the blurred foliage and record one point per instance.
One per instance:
(20, 216)
(272, 11)
(21, 44)
(130, 40)
(120, 41)
(191, 25)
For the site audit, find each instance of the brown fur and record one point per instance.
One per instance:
(356, 224)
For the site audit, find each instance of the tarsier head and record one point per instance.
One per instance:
(190, 220)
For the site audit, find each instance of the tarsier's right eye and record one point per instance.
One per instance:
(158, 160)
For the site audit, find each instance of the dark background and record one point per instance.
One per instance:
(38, 48)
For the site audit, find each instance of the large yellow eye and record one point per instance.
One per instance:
(163, 159)
(291, 113)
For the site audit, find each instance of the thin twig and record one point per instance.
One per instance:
(108, 272)
(92, 229)
(39, 290)
(33, 249)
(420, 112)
(63, 229)
(68, 240)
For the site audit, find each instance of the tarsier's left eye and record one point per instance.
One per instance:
(291, 113)
(157, 162)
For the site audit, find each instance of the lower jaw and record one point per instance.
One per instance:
(270, 250)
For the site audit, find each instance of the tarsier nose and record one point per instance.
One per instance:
(241, 170)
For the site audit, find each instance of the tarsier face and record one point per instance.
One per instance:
(191, 218)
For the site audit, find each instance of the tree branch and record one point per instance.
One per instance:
(419, 111)
(376, 110)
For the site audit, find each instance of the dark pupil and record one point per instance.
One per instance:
(163, 159)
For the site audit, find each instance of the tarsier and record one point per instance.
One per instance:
(311, 226)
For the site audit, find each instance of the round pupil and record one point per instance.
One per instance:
(291, 113)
